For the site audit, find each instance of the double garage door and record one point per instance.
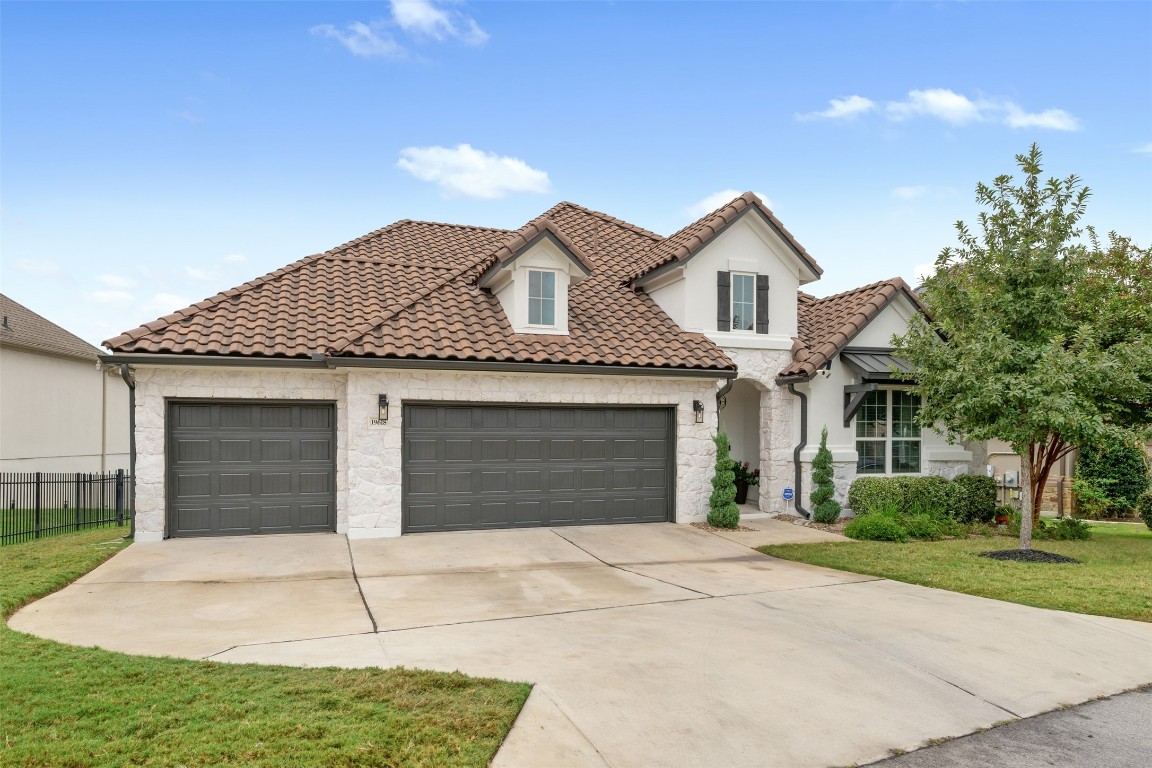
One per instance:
(244, 468)
(486, 466)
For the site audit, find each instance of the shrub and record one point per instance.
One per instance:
(1116, 469)
(972, 499)
(1066, 529)
(1004, 509)
(875, 526)
(868, 494)
(1092, 502)
(722, 509)
(825, 508)
(921, 526)
(1144, 507)
(925, 494)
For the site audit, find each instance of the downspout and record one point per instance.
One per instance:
(720, 393)
(126, 374)
(800, 447)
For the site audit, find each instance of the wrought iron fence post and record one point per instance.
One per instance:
(76, 505)
(119, 497)
(36, 533)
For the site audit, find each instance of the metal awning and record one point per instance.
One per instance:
(874, 364)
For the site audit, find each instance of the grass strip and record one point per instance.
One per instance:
(69, 706)
(1113, 578)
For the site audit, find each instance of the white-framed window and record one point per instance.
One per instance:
(887, 435)
(542, 298)
(743, 301)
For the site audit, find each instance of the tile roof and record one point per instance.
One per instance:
(827, 325)
(682, 245)
(22, 327)
(409, 291)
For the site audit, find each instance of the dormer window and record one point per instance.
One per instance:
(542, 298)
(743, 302)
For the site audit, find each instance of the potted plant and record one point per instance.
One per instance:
(745, 477)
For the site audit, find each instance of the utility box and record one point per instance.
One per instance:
(1011, 479)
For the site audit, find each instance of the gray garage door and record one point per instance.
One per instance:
(239, 468)
(484, 466)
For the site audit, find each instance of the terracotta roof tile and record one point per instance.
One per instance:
(827, 325)
(24, 328)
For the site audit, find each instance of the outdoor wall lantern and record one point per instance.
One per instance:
(383, 415)
(698, 409)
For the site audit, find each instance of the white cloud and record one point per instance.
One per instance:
(838, 109)
(110, 297)
(116, 281)
(370, 40)
(165, 304)
(40, 269)
(235, 258)
(1053, 119)
(909, 193)
(1145, 149)
(468, 172)
(425, 18)
(922, 272)
(941, 103)
(717, 199)
(187, 116)
(199, 273)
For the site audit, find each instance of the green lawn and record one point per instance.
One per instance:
(67, 706)
(1114, 577)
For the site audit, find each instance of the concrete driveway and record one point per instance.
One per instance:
(650, 645)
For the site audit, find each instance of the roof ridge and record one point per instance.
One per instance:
(608, 218)
(402, 223)
(166, 320)
(869, 286)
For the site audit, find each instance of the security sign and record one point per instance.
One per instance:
(789, 494)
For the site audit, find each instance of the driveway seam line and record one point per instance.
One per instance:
(625, 570)
(359, 588)
(282, 642)
(545, 615)
(567, 716)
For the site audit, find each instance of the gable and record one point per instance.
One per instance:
(891, 321)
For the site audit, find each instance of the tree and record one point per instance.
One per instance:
(722, 509)
(825, 508)
(1035, 335)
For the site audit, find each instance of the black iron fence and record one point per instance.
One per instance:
(37, 504)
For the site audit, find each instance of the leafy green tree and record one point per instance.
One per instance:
(825, 508)
(722, 509)
(1035, 335)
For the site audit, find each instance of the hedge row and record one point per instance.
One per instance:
(968, 498)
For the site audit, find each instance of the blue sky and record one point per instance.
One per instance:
(156, 153)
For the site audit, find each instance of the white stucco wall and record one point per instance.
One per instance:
(368, 456)
(60, 414)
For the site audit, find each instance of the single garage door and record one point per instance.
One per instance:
(484, 466)
(239, 468)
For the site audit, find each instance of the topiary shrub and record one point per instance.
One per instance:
(869, 494)
(875, 526)
(1144, 507)
(722, 509)
(825, 508)
(1110, 476)
(972, 498)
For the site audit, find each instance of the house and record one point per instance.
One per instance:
(59, 410)
(430, 377)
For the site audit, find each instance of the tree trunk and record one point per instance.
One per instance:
(1026, 496)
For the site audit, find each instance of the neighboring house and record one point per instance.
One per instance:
(433, 377)
(59, 410)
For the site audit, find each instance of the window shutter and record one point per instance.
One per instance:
(761, 303)
(723, 301)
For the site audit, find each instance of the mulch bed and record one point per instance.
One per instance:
(836, 527)
(706, 527)
(1028, 556)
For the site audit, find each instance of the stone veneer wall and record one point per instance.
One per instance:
(368, 456)
(777, 432)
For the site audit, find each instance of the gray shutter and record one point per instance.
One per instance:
(723, 301)
(761, 303)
